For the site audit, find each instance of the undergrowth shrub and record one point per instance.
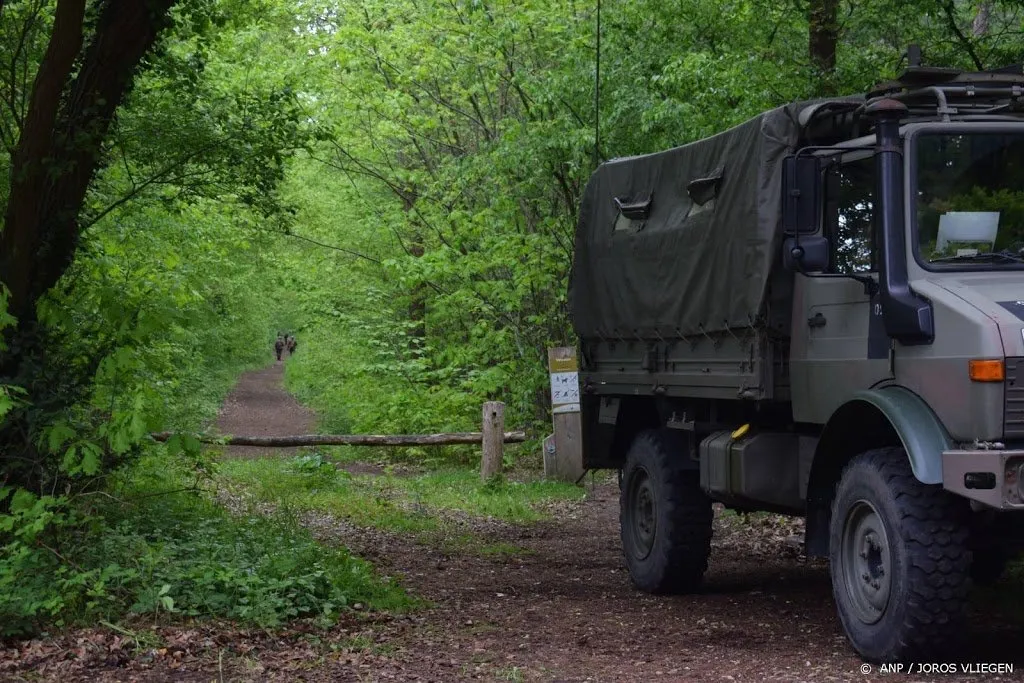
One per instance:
(179, 553)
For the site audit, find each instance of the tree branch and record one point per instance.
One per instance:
(950, 10)
(331, 246)
(137, 189)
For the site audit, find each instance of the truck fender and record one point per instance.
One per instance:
(919, 430)
(875, 418)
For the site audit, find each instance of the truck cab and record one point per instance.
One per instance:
(837, 332)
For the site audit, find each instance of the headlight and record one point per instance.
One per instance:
(1013, 480)
(1020, 482)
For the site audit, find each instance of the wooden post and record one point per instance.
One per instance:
(550, 462)
(494, 438)
(567, 463)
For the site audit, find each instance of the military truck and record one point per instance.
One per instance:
(820, 312)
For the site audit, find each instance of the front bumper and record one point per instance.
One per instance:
(991, 477)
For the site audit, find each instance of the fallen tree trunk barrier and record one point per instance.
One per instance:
(491, 439)
(348, 439)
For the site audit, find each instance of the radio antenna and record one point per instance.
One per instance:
(597, 93)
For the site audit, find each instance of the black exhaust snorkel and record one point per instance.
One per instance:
(907, 316)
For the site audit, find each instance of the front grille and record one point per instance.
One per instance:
(1013, 412)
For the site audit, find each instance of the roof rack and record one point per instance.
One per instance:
(931, 91)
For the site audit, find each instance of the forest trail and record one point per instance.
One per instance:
(555, 604)
(260, 406)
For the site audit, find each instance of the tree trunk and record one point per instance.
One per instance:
(418, 296)
(417, 331)
(75, 94)
(24, 228)
(823, 35)
(62, 139)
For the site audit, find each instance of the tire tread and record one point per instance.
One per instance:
(680, 559)
(933, 527)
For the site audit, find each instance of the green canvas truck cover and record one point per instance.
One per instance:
(683, 241)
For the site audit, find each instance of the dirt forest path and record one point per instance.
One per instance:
(258, 405)
(561, 608)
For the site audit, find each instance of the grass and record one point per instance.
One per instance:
(413, 503)
(511, 673)
(295, 485)
(462, 490)
(418, 459)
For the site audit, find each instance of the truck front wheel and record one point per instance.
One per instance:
(899, 559)
(665, 517)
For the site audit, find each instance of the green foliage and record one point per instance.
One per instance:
(462, 137)
(167, 296)
(178, 553)
(9, 395)
(414, 503)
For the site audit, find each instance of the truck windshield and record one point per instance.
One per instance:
(970, 199)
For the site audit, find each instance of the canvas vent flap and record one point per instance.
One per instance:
(703, 190)
(634, 209)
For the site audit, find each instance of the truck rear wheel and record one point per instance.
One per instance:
(665, 518)
(899, 559)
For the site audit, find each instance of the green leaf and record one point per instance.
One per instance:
(174, 445)
(91, 457)
(22, 501)
(57, 435)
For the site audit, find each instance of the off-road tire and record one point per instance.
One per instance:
(929, 560)
(679, 544)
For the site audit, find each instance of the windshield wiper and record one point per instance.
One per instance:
(986, 257)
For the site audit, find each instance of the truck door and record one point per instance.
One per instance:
(838, 343)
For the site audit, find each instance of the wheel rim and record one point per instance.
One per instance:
(643, 514)
(866, 562)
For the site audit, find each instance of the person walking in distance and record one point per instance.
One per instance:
(291, 344)
(279, 346)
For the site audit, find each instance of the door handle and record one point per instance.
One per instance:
(816, 320)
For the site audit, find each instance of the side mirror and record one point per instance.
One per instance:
(801, 189)
(807, 254)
